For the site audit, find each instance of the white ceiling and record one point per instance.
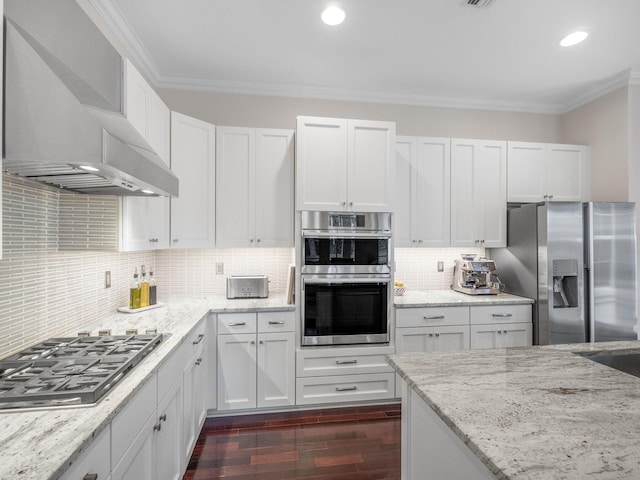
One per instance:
(424, 52)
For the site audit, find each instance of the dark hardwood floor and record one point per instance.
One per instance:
(359, 443)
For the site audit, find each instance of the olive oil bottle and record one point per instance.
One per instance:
(152, 288)
(134, 292)
(144, 289)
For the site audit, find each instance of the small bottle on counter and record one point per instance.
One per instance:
(152, 288)
(134, 292)
(144, 289)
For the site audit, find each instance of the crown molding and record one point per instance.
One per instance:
(625, 78)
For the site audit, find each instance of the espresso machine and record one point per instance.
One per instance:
(475, 276)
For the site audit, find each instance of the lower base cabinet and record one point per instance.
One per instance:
(343, 374)
(256, 360)
(429, 445)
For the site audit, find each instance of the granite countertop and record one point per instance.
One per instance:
(535, 413)
(40, 444)
(451, 298)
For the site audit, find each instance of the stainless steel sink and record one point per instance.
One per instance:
(624, 361)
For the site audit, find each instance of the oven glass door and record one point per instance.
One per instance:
(345, 311)
(371, 253)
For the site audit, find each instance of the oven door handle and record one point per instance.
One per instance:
(344, 235)
(343, 280)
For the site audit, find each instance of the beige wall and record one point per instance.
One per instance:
(281, 112)
(603, 124)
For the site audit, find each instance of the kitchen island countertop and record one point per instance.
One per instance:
(535, 413)
(451, 298)
(40, 444)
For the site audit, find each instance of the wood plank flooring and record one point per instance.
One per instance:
(358, 443)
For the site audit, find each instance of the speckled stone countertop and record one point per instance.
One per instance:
(451, 298)
(41, 444)
(535, 413)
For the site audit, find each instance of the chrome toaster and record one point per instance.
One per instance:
(247, 286)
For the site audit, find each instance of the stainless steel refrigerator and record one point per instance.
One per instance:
(578, 261)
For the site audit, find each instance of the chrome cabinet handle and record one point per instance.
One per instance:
(502, 315)
(163, 417)
(157, 427)
(261, 342)
(198, 361)
(276, 322)
(437, 334)
(252, 342)
(346, 389)
(200, 337)
(90, 476)
(237, 324)
(435, 317)
(153, 240)
(346, 362)
(175, 240)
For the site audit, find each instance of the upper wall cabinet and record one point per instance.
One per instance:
(146, 111)
(344, 165)
(193, 161)
(254, 187)
(545, 172)
(478, 193)
(422, 200)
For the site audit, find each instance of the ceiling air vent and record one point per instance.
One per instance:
(476, 3)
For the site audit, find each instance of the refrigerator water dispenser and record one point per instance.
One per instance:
(565, 283)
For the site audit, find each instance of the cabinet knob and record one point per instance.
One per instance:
(252, 342)
(157, 427)
(257, 240)
(153, 240)
(414, 241)
(419, 241)
(437, 334)
(175, 240)
(351, 204)
(261, 342)
(431, 334)
(550, 197)
(251, 240)
(163, 418)
(198, 361)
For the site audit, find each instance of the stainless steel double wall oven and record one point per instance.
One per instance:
(345, 278)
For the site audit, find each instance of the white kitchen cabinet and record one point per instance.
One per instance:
(254, 187)
(432, 339)
(478, 193)
(501, 335)
(429, 445)
(501, 326)
(169, 462)
(344, 165)
(195, 388)
(422, 208)
(145, 220)
(548, 172)
(96, 460)
(193, 161)
(343, 374)
(256, 364)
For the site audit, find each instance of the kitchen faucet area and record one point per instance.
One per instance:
(378, 251)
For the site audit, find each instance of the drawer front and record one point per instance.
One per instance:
(196, 338)
(315, 363)
(171, 369)
(345, 388)
(431, 316)
(231, 323)
(128, 423)
(485, 314)
(96, 460)
(276, 322)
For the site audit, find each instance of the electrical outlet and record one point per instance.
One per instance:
(219, 268)
(107, 279)
(441, 266)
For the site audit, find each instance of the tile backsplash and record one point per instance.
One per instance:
(45, 292)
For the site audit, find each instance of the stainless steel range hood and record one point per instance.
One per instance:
(63, 107)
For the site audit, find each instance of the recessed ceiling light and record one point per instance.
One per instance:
(574, 38)
(333, 15)
(89, 168)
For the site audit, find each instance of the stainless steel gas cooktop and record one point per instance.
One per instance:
(70, 371)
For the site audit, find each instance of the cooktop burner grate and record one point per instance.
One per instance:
(70, 371)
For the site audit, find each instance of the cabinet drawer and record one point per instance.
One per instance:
(500, 314)
(236, 323)
(196, 338)
(95, 460)
(418, 317)
(126, 426)
(313, 363)
(276, 321)
(345, 388)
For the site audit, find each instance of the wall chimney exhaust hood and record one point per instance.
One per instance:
(63, 106)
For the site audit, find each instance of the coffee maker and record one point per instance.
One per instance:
(475, 276)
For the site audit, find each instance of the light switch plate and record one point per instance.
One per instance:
(107, 279)
(441, 266)
(219, 268)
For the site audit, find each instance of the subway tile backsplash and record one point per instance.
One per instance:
(45, 292)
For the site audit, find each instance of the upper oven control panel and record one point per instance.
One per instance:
(378, 222)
